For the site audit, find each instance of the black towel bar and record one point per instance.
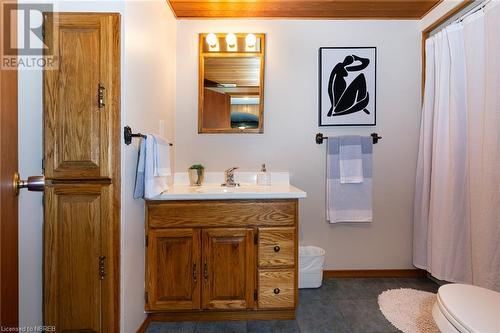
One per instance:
(128, 135)
(320, 138)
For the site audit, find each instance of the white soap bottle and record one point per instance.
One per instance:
(264, 177)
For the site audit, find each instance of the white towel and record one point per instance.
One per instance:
(350, 159)
(162, 157)
(153, 168)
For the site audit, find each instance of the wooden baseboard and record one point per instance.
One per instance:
(222, 315)
(375, 273)
(144, 326)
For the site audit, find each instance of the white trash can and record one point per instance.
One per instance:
(311, 260)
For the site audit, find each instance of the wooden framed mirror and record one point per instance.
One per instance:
(231, 83)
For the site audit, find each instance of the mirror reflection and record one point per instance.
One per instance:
(231, 95)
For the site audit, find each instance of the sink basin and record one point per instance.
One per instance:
(214, 189)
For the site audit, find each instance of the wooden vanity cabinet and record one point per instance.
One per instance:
(222, 258)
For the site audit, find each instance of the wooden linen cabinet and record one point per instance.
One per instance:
(81, 117)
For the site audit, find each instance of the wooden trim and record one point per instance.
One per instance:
(426, 32)
(144, 326)
(223, 315)
(446, 16)
(9, 224)
(374, 273)
(115, 22)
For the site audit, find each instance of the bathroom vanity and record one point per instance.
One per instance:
(222, 253)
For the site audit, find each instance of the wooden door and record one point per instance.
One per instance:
(78, 258)
(173, 272)
(216, 109)
(81, 96)
(228, 268)
(9, 299)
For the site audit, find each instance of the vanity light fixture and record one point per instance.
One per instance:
(231, 42)
(250, 40)
(211, 39)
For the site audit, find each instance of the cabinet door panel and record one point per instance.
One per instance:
(77, 218)
(173, 269)
(77, 128)
(229, 268)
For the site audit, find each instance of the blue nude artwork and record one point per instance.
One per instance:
(347, 86)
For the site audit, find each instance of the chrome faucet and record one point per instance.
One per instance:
(229, 178)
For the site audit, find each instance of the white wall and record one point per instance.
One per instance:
(148, 97)
(291, 123)
(148, 32)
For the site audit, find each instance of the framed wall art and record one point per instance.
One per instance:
(347, 86)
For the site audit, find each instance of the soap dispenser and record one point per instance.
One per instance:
(263, 177)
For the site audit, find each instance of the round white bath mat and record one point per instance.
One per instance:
(409, 310)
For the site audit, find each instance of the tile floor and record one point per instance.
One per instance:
(340, 305)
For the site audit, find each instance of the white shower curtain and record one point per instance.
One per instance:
(457, 195)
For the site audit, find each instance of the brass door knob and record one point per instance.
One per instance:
(33, 183)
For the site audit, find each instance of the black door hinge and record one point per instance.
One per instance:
(256, 239)
(147, 241)
(146, 298)
(255, 295)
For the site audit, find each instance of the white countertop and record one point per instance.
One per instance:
(279, 189)
(217, 192)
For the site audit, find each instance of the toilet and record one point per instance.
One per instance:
(467, 309)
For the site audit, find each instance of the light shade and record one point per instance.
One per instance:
(250, 40)
(211, 39)
(231, 39)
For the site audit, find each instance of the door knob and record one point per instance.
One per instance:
(33, 183)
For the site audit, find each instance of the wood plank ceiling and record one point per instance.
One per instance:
(326, 9)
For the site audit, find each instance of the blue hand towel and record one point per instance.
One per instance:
(348, 202)
(141, 168)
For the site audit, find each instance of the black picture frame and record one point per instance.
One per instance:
(370, 85)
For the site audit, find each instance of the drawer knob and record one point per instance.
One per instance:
(276, 291)
(277, 248)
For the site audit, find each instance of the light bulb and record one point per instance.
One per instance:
(211, 39)
(231, 39)
(251, 40)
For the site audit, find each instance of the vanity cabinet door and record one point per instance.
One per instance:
(228, 268)
(173, 269)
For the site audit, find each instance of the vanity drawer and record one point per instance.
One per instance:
(276, 289)
(221, 213)
(276, 246)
